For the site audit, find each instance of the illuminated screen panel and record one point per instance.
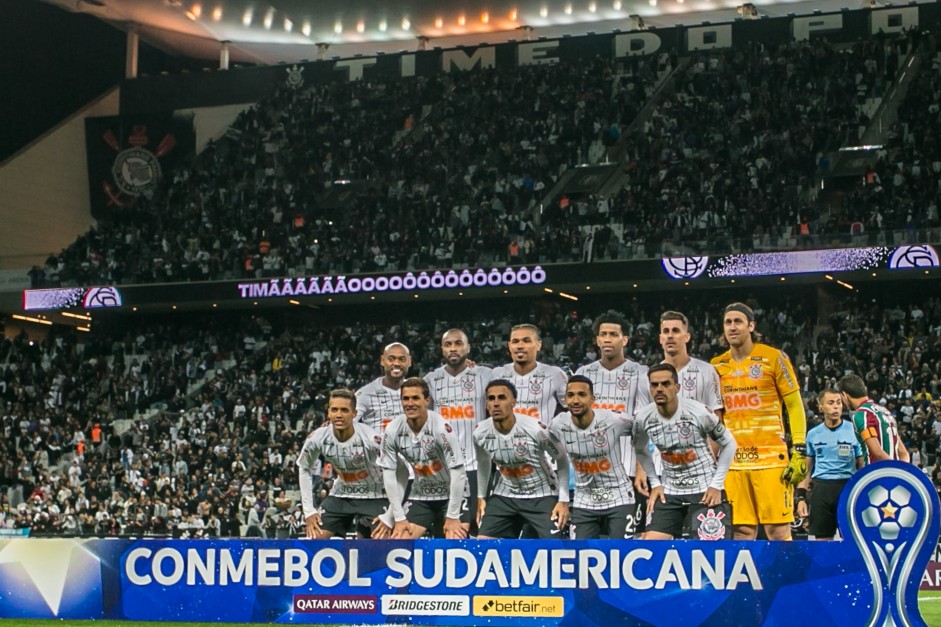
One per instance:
(802, 262)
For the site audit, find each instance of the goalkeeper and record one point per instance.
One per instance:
(758, 383)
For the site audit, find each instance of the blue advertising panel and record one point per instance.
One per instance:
(890, 513)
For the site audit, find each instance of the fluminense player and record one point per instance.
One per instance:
(540, 387)
(834, 453)
(876, 427)
(758, 381)
(457, 393)
(378, 403)
(358, 496)
(424, 440)
(689, 488)
(604, 500)
(527, 489)
(619, 385)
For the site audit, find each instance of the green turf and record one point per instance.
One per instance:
(929, 602)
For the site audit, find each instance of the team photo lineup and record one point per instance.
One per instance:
(618, 449)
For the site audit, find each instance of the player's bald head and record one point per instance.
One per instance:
(452, 334)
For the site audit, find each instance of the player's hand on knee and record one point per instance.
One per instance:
(313, 526)
(402, 530)
(380, 530)
(454, 529)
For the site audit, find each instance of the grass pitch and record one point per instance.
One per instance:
(929, 603)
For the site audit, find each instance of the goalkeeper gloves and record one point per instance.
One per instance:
(796, 469)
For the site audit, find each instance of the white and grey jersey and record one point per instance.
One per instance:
(539, 392)
(522, 458)
(622, 389)
(432, 453)
(377, 405)
(600, 481)
(700, 382)
(354, 463)
(689, 466)
(461, 400)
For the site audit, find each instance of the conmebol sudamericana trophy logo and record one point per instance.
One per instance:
(890, 511)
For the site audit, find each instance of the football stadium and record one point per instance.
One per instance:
(354, 313)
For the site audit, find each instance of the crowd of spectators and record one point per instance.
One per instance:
(723, 149)
(211, 450)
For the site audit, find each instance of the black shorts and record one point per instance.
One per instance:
(342, 515)
(614, 522)
(824, 499)
(504, 517)
(685, 511)
(472, 500)
(431, 515)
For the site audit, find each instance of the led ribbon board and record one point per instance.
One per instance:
(802, 262)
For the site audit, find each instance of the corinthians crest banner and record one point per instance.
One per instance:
(129, 155)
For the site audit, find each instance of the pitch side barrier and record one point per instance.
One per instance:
(819, 265)
(889, 513)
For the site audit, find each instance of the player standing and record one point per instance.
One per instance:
(379, 402)
(527, 489)
(619, 385)
(358, 496)
(457, 393)
(592, 438)
(758, 381)
(689, 490)
(424, 440)
(540, 387)
(876, 427)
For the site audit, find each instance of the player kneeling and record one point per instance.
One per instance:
(691, 486)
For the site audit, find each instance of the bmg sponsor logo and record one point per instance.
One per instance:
(534, 607)
(425, 605)
(335, 604)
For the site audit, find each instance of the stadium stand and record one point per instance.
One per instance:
(208, 447)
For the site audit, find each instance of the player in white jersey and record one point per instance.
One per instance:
(689, 489)
(426, 441)
(698, 379)
(592, 438)
(378, 403)
(358, 496)
(526, 489)
(619, 385)
(540, 387)
(457, 393)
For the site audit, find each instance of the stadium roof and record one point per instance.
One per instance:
(266, 32)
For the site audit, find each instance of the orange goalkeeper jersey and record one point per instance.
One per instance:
(753, 390)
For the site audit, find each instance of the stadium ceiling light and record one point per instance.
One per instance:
(31, 319)
(69, 314)
(294, 302)
(85, 329)
(547, 290)
(568, 296)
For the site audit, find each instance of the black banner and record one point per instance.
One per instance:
(129, 155)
